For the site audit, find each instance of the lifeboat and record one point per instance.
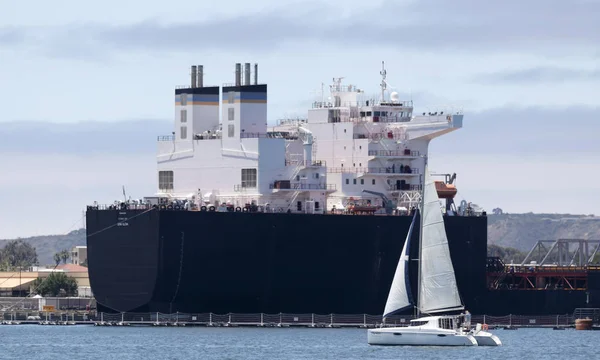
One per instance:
(445, 191)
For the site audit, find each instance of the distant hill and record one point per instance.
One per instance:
(47, 245)
(517, 231)
(522, 231)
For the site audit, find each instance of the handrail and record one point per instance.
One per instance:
(299, 186)
(396, 153)
(361, 103)
(375, 170)
(305, 163)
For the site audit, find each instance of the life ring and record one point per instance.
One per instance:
(245, 209)
(484, 326)
(177, 207)
(203, 208)
(238, 209)
(212, 208)
(170, 207)
(163, 207)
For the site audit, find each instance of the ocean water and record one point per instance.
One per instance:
(90, 342)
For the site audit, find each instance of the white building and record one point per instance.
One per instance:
(348, 143)
(78, 255)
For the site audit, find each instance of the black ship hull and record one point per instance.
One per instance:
(199, 262)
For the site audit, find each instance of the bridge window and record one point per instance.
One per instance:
(183, 99)
(183, 132)
(165, 180)
(248, 178)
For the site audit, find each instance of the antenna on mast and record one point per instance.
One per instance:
(383, 82)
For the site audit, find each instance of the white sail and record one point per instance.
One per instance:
(438, 290)
(400, 297)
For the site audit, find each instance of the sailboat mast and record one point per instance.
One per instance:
(421, 234)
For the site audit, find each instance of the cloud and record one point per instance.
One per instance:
(125, 137)
(521, 159)
(506, 130)
(12, 36)
(539, 75)
(49, 192)
(524, 132)
(543, 183)
(432, 25)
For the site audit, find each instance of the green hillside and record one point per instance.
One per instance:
(48, 245)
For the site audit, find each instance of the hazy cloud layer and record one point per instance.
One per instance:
(11, 36)
(525, 131)
(504, 130)
(124, 137)
(540, 75)
(434, 25)
(519, 159)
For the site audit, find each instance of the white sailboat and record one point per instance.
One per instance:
(437, 290)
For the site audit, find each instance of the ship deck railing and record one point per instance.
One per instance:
(291, 162)
(361, 103)
(301, 186)
(396, 170)
(536, 269)
(395, 153)
(268, 320)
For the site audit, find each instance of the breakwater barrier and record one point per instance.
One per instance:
(271, 320)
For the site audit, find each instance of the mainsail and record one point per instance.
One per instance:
(438, 291)
(400, 297)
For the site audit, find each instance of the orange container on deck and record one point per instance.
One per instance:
(445, 191)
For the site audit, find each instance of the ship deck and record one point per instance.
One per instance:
(531, 277)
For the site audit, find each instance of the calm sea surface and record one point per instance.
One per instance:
(90, 342)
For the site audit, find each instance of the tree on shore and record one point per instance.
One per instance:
(65, 255)
(17, 254)
(57, 259)
(56, 284)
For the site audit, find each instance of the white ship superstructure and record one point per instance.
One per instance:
(351, 154)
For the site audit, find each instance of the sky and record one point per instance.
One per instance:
(85, 88)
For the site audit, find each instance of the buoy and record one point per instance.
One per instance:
(583, 324)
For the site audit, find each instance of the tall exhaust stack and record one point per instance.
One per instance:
(255, 73)
(200, 80)
(247, 74)
(238, 74)
(193, 76)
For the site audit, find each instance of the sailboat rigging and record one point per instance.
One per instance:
(437, 288)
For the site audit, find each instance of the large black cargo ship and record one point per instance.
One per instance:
(187, 261)
(246, 220)
(176, 261)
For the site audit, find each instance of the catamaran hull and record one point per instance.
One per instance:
(485, 338)
(404, 337)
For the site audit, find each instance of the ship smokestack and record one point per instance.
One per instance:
(255, 74)
(193, 76)
(238, 74)
(247, 74)
(200, 79)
